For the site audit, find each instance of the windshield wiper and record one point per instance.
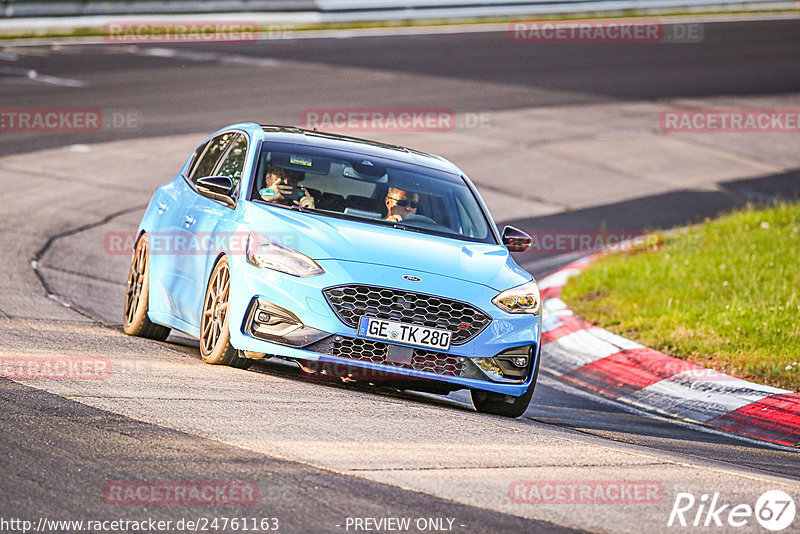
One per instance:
(409, 228)
(295, 207)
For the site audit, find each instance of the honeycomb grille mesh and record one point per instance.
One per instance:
(352, 301)
(365, 350)
(377, 352)
(436, 362)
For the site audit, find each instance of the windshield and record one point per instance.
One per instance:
(371, 190)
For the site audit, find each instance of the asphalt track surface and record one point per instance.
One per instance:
(210, 85)
(197, 92)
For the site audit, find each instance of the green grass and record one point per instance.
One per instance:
(725, 294)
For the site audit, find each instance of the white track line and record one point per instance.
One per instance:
(24, 75)
(192, 55)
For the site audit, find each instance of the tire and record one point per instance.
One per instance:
(241, 362)
(135, 320)
(215, 336)
(505, 405)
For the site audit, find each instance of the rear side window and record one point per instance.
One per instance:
(208, 160)
(233, 164)
(196, 158)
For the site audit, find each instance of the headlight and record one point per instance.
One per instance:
(520, 299)
(262, 252)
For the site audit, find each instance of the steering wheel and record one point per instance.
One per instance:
(419, 219)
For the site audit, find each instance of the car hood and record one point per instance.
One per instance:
(324, 238)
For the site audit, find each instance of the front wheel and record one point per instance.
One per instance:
(505, 405)
(136, 322)
(215, 337)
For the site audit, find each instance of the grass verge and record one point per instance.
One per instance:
(272, 31)
(724, 294)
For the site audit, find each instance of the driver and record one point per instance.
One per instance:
(400, 204)
(282, 188)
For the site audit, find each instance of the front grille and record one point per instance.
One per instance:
(365, 350)
(352, 301)
(377, 352)
(436, 362)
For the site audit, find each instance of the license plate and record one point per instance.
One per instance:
(407, 334)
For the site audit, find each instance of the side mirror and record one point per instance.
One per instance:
(218, 188)
(515, 239)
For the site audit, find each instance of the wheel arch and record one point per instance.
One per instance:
(211, 271)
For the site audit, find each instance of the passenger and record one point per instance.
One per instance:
(282, 188)
(400, 204)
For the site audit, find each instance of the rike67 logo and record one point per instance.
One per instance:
(774, 510)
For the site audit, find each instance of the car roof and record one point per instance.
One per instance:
(300, 136)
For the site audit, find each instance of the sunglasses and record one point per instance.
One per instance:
(403, 203)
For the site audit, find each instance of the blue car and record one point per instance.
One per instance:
(358, 260)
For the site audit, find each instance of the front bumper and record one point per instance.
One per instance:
(304, 327)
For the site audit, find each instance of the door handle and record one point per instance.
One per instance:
(162, 207)
(188, 220)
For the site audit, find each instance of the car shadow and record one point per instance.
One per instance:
(655, 212)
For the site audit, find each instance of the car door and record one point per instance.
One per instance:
(184, 241)
(205, 217)
(170, 205)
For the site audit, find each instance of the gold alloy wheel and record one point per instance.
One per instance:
(136, 322)
(136, 278)
(215, 308)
